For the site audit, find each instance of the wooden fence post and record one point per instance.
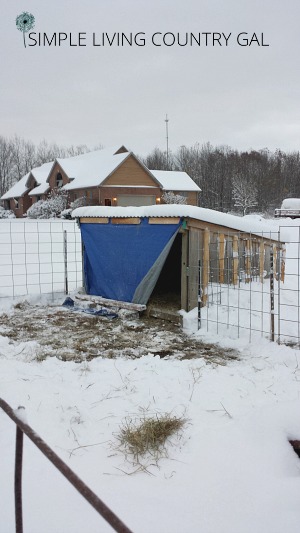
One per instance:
(261, 261)
(205, 273)
(248, 261)
(221, 257)
(235, 255)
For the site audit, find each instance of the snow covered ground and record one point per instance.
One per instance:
(231, 469)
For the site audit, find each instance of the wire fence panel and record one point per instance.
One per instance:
(33, 258)
(289, 290)
(247, 288)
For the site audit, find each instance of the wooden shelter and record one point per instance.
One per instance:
(207, 247)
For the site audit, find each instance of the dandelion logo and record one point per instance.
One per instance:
(25, 22)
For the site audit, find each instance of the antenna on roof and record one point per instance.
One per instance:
(167, 137)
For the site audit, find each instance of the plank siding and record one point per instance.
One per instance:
(131, 173)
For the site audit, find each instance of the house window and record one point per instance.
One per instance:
(75, 196)
(107, 201)
(16, 203)
(38, 198)
(59, 180)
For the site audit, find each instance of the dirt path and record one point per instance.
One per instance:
(72, 335)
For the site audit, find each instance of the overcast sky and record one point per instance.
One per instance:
(244, 97)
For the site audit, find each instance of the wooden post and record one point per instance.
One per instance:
(276, 274)
(282, 263)
(184, 271)
(221, 257)
(235, 260)
(272, 292)
(199, 294)
(248, 261)
(66, 261)
(261, 260)
(205, 262)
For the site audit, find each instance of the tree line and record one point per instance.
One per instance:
(230, 180)
(227, 176)
(18, 156)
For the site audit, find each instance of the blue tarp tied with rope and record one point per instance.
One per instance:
(123, 261)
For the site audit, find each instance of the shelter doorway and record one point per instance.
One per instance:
(167, 291)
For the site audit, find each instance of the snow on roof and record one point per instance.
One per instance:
(92, 168)
(18, 189)
(291, 203)
(41, 174)
(172, 180)
(244, 224)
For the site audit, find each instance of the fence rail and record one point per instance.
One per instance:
(79, 485)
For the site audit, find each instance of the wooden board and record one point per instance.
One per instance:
(94, 220)
(235, 254)
(216, 228)
(132, 220)
(221, 257)
(164, 220)
(110, 303)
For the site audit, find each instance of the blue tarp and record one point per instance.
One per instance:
(123, 261)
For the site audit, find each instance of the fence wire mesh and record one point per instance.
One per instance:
(34, 256)
(249, 283)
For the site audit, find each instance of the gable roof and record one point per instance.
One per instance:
(20, 188)
(92, 168)
(172, 180)
(41, 174)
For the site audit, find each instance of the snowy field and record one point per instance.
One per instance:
(230, 470)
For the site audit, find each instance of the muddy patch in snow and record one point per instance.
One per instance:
(77, 336)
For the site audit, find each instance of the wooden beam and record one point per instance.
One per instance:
(94, 220)
(184, 272)
(221, 257)
(248, 261)
(282, 273)
(235, 259)
(164, 220)
(217, 228)
(110, 303)
(261, 261)
(205, 261)
(275, 248)
(128, 220)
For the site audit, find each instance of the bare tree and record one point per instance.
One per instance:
(157, 160)
(244, 193)
(6, 165)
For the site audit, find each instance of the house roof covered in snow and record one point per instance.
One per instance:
(41, 174)
(92, 168)
(20, 188)
(172, 180)
(243, 224)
